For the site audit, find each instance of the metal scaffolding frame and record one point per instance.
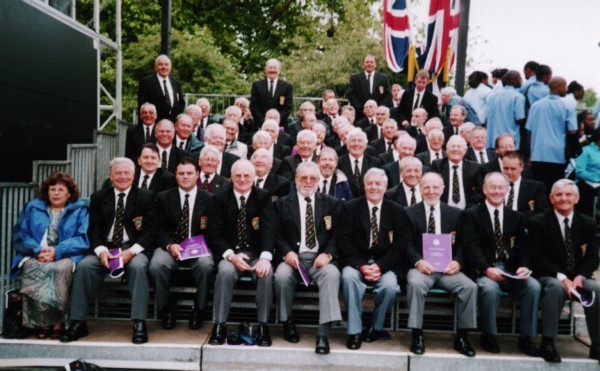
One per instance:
(104, 45)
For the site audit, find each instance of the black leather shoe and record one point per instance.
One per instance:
(548, 352)
(489, 343)
(76, 330)
(322, 345)
(370, 335)
(140, 334)
(218, 334)
(263, 336)
(595, 352)
(196, 320)
(168, 319)
(290, 333)
(354, 341)
(463, 346)
(417, 345)
(527, 346)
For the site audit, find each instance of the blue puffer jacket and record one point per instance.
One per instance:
(32, 225)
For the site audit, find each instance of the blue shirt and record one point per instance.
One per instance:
(537, 91)
(549, 119)
(587, 165)
(528, 82)
(505, 107)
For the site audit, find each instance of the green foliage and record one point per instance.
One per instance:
(589, 99)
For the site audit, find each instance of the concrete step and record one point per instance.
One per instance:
(109, 346)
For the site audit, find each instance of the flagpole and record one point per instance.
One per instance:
(461, 52)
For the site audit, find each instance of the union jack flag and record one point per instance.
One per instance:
(442, 32)
(396, 30)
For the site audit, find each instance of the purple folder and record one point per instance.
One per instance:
(584, 296)
(306, 279)
(194, 247)
(437, 249)
(115, 265)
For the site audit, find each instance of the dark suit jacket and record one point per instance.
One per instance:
(260, 223)
(472, 156)
(135, 138)
(364, 123)
(380, 145)
(279, 151)
(358, 91)
(289, 224)
(169, 211)
(217, 184)
(354, 231)
(532, 197)
(450, 218)
(276, 185)
(289, 165)
(175, 155)
(161, 181)
(346, 165)
(448, 132)
(547, 247)
(494, 166)
(405, 108)
(141, 220)
(150, 90)
(227, 163)
(286, 140)
(472, 180)
(392, 170)
(261, 101)
(477, 237)
(386, 157)
(397, 194)
(247, 130)
(421, 144)
(372, 134)
(425, 157)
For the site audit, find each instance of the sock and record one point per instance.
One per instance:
(323, 329)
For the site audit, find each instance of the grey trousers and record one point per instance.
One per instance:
(89, 276)
(458, 284)
(327, 279)
(529, 292)
(162, 267)
(354, 287)
(227, 276)
(553, 300)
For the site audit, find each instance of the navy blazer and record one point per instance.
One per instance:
(150, 90)
(135, 138)
(472, 180)
(161, 181)
(345, 165)
(261, 100)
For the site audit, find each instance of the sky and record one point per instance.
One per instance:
(507, 33)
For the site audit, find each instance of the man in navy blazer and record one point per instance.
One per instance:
(306, 236)
(369, 84)
(356, 163)
(271, 92)
(142, 133)
(417, 97)
(152, 90)
(373, 235)
(564, 255)
(149, 175)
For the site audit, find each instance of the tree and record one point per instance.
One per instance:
(589, 99)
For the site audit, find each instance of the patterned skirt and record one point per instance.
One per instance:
(45, 289)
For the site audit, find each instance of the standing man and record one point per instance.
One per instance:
(434, 216)
(242, 234)
(373, 235)
(506, 110)
(549, 121)
(271, 92)
(142, 133)
(564, 254)
(369, 84)
(162, 90)
(493, 238)
(122, 217)
(414, 98)
(182, 213)
(306, 236)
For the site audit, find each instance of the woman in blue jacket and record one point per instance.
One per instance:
(50, 239)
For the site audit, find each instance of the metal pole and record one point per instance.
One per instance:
(461, 52)
(118, 105)
(165, 30)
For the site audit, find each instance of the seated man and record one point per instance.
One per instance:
(215, 135)
(184, 139)
(233, 145)
(182, 213)
(434, 151)
(525, 195)
(149, 175)
(332, 181)
(306, 143)
(404, 145)
(170, 154)
(142, 133)
(209, 161)
(477, 151)
(407, 192)
(122, 217)
(305, 235)
(433, 216)
(493, 243)
(241, 234)
(276, 185)
(564, 255)
(373, 235)
(356, 163)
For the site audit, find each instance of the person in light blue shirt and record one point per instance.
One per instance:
(506, 110)
(478, 81)
(529, 72)
(587, 172)
(538, 89)
(549, 120)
